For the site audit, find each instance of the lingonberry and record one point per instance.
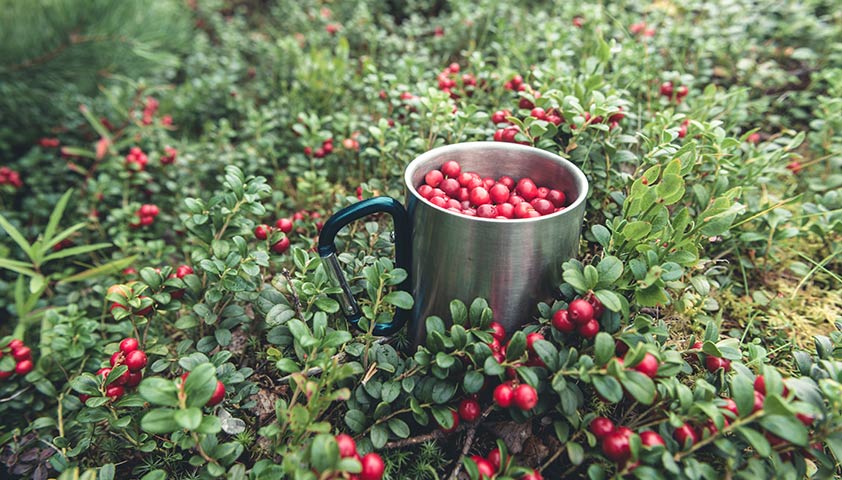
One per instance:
(538, 113)
(347, 445)
(731, 406)
(114, 392)
(508, 181)
(22, 353)
(129, 345)
(469, 410)
(433, 178)
(135, 360)
(759, 399)
(580, 311)
(453, 425)
(650, 439)
(504, 395)
(133, 379)
(542, 206)
(497, 331)
(284, 225)
(525, 397)
(218, 394)
(373, 467)
(479, 196)
(499, 193)
(561, 322)
(533, 475)
(117, 358)
(760, 384)
(495, 458)
(506, 210)
(527, 189)
(616, 446)
(648, 366)
(281, 245)
(685, 434)
(450, 187)
(425, 191)
(666, 89)
(601, 427)
(261, 232)
(522, 210)
(15, 344)
(713, 363)
(23, 367)
(590, 329)
(598, 308)
(4, 374)
(183, 270)
(531, 339)
(451, 169)
(487, 211)
(681, 91)
(485, 468)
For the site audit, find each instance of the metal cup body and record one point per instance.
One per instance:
(513, 264)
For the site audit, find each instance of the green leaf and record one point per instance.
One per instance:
(609, 300)
(458, 313)
(610, 270)
(742, 390)
(473, 382)
(516, 346)
(786, 427)
(106, 472)
(159, 391)
(602, 236)
(491, 366)
(608, 387)
(17, 266)
(603, 348)
(105, 269)
(671, 188)
(159, 420)
(200, 385)
(443, 416)
(324, 452)
(399, 427)
(356, 420)
(639, 386)
(69, 252)
(576, 279)
(636, 230)
(400, 299)
(757, 441)
(155, 475)
(15, 235)
(379, 436)
(37, 283)
(189, 418)
(56, 215)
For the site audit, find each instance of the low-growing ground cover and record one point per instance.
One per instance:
(165, 313)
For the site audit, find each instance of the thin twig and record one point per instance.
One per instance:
(296, 302)
(469, 440)
(406, 442)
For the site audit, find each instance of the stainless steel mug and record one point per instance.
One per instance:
(512, 263)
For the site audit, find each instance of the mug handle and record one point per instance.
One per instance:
(327, 251)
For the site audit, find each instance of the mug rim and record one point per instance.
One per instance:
(579, 175)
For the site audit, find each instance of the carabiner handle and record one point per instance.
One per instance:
(403, 258)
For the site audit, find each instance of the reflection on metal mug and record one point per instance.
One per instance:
(512, 263)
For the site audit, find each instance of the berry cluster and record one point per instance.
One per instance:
(493, 463)
(150, 107)
(168, 158)
(320, 152)
(180, 272)
(448, 77)
(682, 129)
(23, 359)
(582, 316)
(218, 393)
(516, 84)
(641, 28)
(677, 94)
(130, 355)
(145, 215)
(469, 194)
(284, 225)
(372, 463)
(10, 177)
(794, 167)
(616, 441)
(136, 159)
(49, 142)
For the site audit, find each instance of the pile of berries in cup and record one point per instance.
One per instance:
(470, 194)
(23, 359)
(372, 463)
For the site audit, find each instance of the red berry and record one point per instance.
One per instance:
(494, 458)
(562, 322)
(129, 345)
(6, 374)
(650, 439)
(538, 113)
(454, 425)
(533, 475)
(22, 353)
(284, 225)
(525, 397)
(499, 193)
(530, 340)
(373, 467)
(580, 311)
(684, 433)
(133, 379)
(183, 270)
(715, 363)
(450, 187)
(590, 329)
(509, 182)
(526, 188)
(760, 384)
(135, 360)
(433, 178)
(23, 367)
(666, 89)
(504, 395)
(451, 169)
(425, 191)
(805, 418)
(505, 210)
(682, 91)
(497, 331)
(15, 344)
(616, 446)
(648, 366)
(759, 399)
(117, 358)
(601, 427)
(261, 232)
(479, 196)
(347, 445)
(218, 394)
(598, 308)
(542, 206)
(486, 469)
(731, 406)
(281, 245)
(469, 410)
(114, 391)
